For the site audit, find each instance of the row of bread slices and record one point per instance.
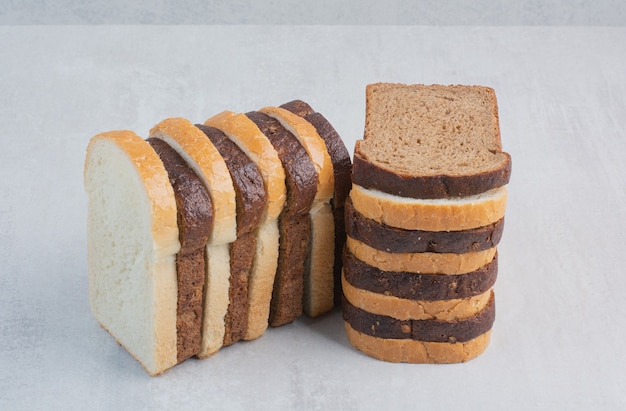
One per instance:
(202, 235)
(419, 265)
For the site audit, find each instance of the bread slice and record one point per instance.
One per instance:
(417, 352)
(195, 221)
(398, 240)
(243, 132)
(193, 146)
(427, 263)
(132, 242)
(430, 141)
(342, 171)
(319, 281)
(294, 222)
(409, 309)
(251, 199)
(446, 214)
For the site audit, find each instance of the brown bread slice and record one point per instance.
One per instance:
(430, 141)
(415, 286)
(342, 169)
(250, 199)
(195, 221)
(294, 222)
(398, 240)
(415, 351)
(382, 326)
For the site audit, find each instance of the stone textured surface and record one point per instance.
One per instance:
(561, 321)
(422, 12)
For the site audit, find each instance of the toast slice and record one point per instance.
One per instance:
(195, 222)
(294, 222)
(206, 161)
(318, 293)
(132, 242)
(247, 136)
(251, 199)
(430, 141)
(342, 171)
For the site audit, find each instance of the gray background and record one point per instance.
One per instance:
(423, 12)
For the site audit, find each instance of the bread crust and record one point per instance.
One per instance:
(193, 145)
(417, 352)
(406, 309)
(413, 286)
(427, 263)
(384, 326)
(313, 144)
(431, 215)
(377, 177)
(398, 240)
(240, 129)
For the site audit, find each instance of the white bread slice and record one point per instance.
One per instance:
(132, 241)
(200, 154)
(243, 132)
(405, 309)
(427, 263)
(417, 352)
(444, 214)
(319, 276)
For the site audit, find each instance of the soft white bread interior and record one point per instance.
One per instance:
(202, 156)
(243, 132)
(319, 275)
(132, 241)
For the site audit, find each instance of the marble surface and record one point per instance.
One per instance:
(424, 12)
(561, 320)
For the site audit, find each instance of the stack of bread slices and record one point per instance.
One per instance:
(203, 235)
(423, 219)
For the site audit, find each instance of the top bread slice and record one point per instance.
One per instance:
(132, 242)
(430, 141)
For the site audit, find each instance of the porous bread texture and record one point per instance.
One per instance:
(426, 263)
(319, 294)
(202, 156)
(419, 130)
(417, 352)
(405, 309)
(446, 214)
(132, 241)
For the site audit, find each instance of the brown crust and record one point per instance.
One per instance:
(342, 169)
(250, 198)
(195, 219)
(369, 175)
(294, 222)
(417, 352)
(247, 180)
(423, 330)
(415, 286)
(398, 240)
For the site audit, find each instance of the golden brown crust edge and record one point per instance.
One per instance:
(417, 352)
